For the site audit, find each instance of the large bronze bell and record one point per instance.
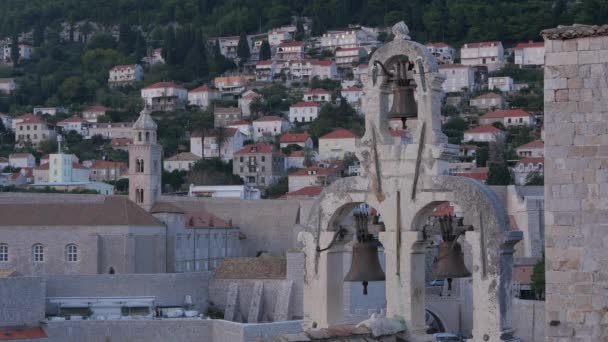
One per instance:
(365, 264)
(404, 104)
(450, 263)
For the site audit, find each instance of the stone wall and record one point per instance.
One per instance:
(576, 183)
(529, 320)
(169, 289)
(21, 301)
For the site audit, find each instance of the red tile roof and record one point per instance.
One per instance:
(122, 67)
(488, 96)
(529, 45)
(164, 85)
(481, 174)
(256, 149)
(35, 120)
(483, 129)
(309, 191)
(482, 44)
(269, 118)
(121, 141)
(204, 219)
(25, 116)
(297, 154)
(266, 62)
(251, 95)
(290, 44)
(317, 91)
(339, 133)
(322, 62)
(533, 144)
(505, 113)
(305, 104)
(202, 89)
(240, 122)
(452, 66)
(531, 160)
(74, 118)
(22, 333)
(20, 155)
(353, 88)
(106, 164)
(97, 109)
(289, 138)
(522, 274)
(316, 170)
(45, 166)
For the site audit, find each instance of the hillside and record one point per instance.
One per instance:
(453, 21)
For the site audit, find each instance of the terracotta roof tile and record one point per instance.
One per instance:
(317, 91)
(204, 219)
(531, 160)
(308, 191)
(340, 133)
(305, 104)
(440, 45)
(106, 164)
(529, 45)
(488, 96)
(264, 267)
(158, 85)
(202, 89)
(483, 129)
(294, 138)
(184, 156)
(532, 144)
(481, 174)
(257, 149)
(25, 333)
(270, 118)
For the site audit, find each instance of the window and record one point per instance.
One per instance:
(139, 136)
(38, 252)
(139, 195)
(3, 252)
(147, 136)
(71, 252)
(263, 158)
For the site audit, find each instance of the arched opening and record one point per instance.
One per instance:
(111, 270)
(147, 136)
(433, 323)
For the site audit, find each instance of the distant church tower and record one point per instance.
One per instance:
(145, 167)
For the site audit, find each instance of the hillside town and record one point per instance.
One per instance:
(353, 183)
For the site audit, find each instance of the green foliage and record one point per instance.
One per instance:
(331, 117)
(212, 172)
(287, 150)
(449, 110)
(278, 189)
(535, 178)
(214, 312)
(482, 155)
(174, 179)
(519, 75)
(454, 129)
(265, 53)
(242, 49)
(48, 190)
(538, 278)
(498, 175)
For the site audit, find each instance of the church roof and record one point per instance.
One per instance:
(113, 211)
(145, 121)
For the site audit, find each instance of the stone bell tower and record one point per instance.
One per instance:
(144, 162)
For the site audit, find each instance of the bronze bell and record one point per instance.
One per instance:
(365, 264)
(404, 104)
(450, 263)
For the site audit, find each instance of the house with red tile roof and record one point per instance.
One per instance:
(490, 54)
(534, 148)
(245, 101)
(297, 159)
(352, 95)
(314, 176)
(246, 127)
(300, 139)
(21, 160)
(259, 165)
(307, 69)
(526, 166)
(289, 51)
(121, 143)
(317, 95)
(489, 101)
(335, 144)
(269, 126)
(121, 75)
(480, 174)
(304, 111)
(202, 96)
(507, 117)
(74, 123)
(530, 53)
(164, 96)
(33, 130)
(485, 133)
(233, 85)
(265, 71)
(346, 57)
(105, 170)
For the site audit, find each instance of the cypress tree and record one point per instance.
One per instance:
(265, 53)
(242, 49)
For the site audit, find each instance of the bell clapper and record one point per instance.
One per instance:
(449, 286)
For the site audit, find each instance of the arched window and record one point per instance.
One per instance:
(38, 252)
(139, 196)
(71, 253)
(147, 136)
(139, 136)
(111, 270)
(3, 252)
(140, 166)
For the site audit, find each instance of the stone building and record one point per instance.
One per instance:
(224, 116)
(98, 235)
(259, 164)
(576, 64)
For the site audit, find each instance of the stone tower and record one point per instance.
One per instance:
(144, 162)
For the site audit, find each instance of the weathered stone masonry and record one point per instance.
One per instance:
(576, 182)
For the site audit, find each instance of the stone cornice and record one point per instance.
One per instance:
(574, 31)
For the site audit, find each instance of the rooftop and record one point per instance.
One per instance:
(269, 118)
(97, 109)
(305, 104)
(529, 45)
(532, 144)
(488, 96)
(483, 129)
(184, 156)
(206, 220)
(481, 44)
(574, 31)
(159, 85)
(257, 148)
(113, 211)
(202, 89)
(317, 91)
(263, 267)
(531, 160)
(339, 133)
(294, 138)
(308, 191)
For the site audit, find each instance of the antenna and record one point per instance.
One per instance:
(59, 140)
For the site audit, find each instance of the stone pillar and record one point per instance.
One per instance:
(324, 282)
(405, 292)
(576, 183)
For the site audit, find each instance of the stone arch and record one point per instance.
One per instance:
(435, 316)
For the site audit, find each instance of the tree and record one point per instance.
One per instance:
(538, 278)
(498, 171)
(242, 49)
(278, 189)
(309, 157)
(221, 138)
(265, 53)
(212, 172)
(15, 49)
(535, 178)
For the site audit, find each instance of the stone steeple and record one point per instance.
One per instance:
(144, 162)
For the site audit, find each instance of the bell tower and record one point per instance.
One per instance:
(144, 162)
